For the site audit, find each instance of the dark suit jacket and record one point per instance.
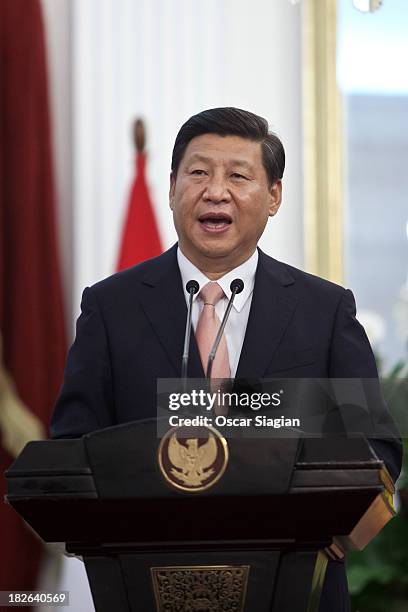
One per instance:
(131, 332)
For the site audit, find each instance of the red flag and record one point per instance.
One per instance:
(31, 312)
(140, 237)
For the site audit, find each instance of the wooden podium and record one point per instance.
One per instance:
(281, 509)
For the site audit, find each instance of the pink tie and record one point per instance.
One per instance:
(207, 328)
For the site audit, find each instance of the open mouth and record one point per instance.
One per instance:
(215, 220)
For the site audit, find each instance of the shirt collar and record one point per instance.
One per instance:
(246, 272)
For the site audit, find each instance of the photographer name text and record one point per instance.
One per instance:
(229, 421)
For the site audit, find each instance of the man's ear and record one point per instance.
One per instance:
(172, 189)
(275, 193)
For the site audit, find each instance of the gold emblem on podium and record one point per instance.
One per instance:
(206, 588)
(193, 458)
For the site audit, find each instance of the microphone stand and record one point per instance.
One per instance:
(192, 287)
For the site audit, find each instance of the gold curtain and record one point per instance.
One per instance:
(323, 142)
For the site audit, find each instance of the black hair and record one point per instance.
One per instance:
(230, 121)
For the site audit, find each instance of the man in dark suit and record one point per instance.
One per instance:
(225, 184)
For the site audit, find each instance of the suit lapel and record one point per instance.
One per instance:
(272, 307)
(164, 304)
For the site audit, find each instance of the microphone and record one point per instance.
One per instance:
(192, 287)
(236, 287)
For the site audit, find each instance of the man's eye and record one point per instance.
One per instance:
(238, 175)
(198, 172)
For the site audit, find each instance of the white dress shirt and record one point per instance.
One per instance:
(238, 319)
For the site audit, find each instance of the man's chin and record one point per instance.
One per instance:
(221, 251)
(221, 254)
(215, 250)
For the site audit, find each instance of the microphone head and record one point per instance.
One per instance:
(237, 285)
(192, 287)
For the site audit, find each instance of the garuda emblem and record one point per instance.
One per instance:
(193, 458)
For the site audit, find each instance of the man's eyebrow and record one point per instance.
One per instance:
(198, 157)
(242, 162)
(234, 162)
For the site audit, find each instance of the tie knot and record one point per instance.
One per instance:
(211, 293)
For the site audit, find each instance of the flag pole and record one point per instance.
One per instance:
(139, 135)
(140, 238)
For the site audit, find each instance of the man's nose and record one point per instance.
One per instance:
(216, 190)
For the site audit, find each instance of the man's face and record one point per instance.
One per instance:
(221, 201)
